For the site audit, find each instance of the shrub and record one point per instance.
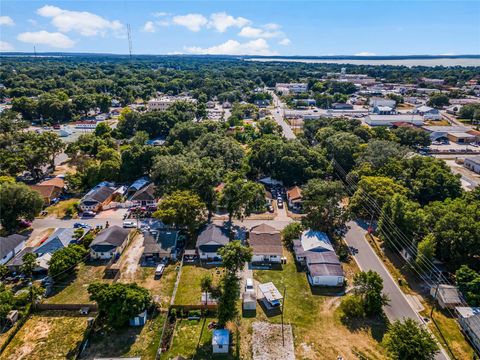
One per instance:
(352, 306)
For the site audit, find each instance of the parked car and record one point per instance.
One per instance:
(159, 270)
(80, 225)
(25, 223)
(88, 214)
(270, 208)
(129, 224)
(280, 204)
(249, 285)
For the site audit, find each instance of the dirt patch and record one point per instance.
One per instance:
(268, 344)
(39, 235)
(130, 261)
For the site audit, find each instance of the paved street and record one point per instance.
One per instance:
(277, 113)
(367, 259)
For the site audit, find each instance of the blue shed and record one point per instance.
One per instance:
(139, 320)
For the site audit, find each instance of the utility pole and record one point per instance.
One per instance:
(283, 309)
(129, 33)
(34, 52)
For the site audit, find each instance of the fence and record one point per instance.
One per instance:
(66, 307)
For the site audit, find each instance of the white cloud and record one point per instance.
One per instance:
(32, 22)
(149, 27)
(6, 20)
(222, 21)
(233, 47)
(163, 23)
(53, 39)
(253, 32)
(271, 26)
(161, 14)
(83, 22)
(365, 53)
(5, 46)
(193, 22)
(285, 42)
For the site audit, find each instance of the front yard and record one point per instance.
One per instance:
(48, 335)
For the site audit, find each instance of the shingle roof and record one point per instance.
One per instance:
(9, 243)
(162, 242)
(56, 181)
(44, 190)
(59, 239)
(99, 194)
(145, 193)
(265, 239)
(213, 233)
(113, 235)
(294, 193)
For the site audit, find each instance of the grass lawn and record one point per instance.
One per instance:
(161, 289)
(127, 342)
(73, 289)
(314, 317)
(58, 210)
(192, 340)
(49, 335)
(189, 291)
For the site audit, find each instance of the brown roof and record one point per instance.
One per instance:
(56, 181)
(219, 187)
(294, 193)
(45, 190)
(265, 239)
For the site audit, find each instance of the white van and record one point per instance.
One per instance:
(159, 270)
(249, 285)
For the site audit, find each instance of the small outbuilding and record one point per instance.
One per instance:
(249, 301)
(272, 297)
(220, 341)
(446, 295)
(139, 320)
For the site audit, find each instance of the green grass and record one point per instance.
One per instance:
(189, 291)
(73, 289)
(192, 339)
(129, 341)
(61, 207)
(49, 335)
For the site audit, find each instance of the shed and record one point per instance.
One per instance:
(271, 294)
(139, 320)
(249, 301)
(12, 317)
(220, 341)
(447, 296)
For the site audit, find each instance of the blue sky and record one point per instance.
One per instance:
(243, 27)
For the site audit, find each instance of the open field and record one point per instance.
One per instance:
(127, 342)
(59, 209)
(73, 289)
(315, 317)
(189, 291)
(49, 335)
(192, 339)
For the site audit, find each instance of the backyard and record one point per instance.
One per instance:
(192, 340)
(160, 288)
(48, 335)
(189, 291)
(313, 317)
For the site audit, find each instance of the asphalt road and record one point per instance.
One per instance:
(278, 117)
(366, 258)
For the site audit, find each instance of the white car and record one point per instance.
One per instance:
(249, 285)
(129, 224)
(159, 270)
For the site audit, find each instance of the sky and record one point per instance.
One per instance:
(281, 27)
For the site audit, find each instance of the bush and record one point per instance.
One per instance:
(343, 253)
(194, 313)
(291, 232)
(352, 306)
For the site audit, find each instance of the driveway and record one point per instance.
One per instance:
(130, 260)
(399, 307)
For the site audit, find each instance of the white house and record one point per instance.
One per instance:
(110, 243)
(211, 239)
(473, 164)
(316, 252)
(469, 318)
(10, 246)
(428, 112)
(266, 243)
(220, 341)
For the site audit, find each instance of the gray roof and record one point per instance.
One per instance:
(58, 240)
(99, 194)
(112, 236)
(9, 243)
(145, 193)
(213, 233)
(325, 270)
(449, 294)
(161, 241)
(18, 259)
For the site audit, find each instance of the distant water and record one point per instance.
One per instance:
(398, 62)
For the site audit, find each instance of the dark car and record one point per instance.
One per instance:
(88, 214)
(79, 225)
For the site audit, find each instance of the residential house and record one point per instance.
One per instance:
(10, 246)
(96, 198)
(294, 198)
(446, 295)
(145, 196)
(61, 238)
(315, 251)
(473, 164)
(469, 320)
(110, 243)
(160, 244)
(211, 239)
(136, 186)
(262, 103)
(42, 262)
(266, 243)
(378, 101)
(47, 192)
(428, 112)
(56, 181)
(383, 110)
(342, 106)
(220, 341)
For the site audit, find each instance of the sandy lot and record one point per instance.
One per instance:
(267, 342)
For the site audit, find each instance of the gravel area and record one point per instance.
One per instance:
(267, 342)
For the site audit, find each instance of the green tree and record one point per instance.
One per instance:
(343, 147)
(103, 130)
(468, 281)
(352, 307)
(3, 271)
(64, 260)
(182, 209)
(368, 286)
(18, 202)
(119, 302)
(227, 301)
(412, 137)
(425, 252)
(377, 153)
(322, 205)
(6, 301)
(408, 340)
(29, 264)
(438, 100)
(291, 232)
(234, 256)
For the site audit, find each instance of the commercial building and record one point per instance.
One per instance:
(473, 164)
(291, 87)
(388, 120)
(164, 102)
